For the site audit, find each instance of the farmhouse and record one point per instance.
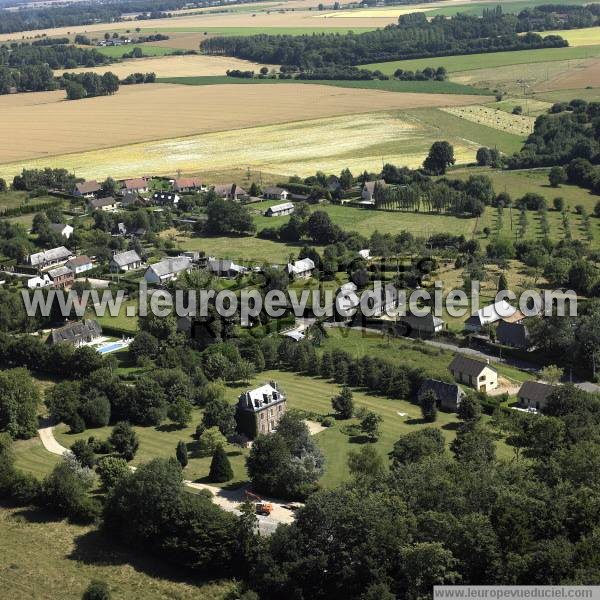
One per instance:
(224, 267)
(280, 210)
(165, 198)
(447, 395)
(87, 189)
(49, 257)
(534, 394)
(65, 230)
(275, 193)
(168, 269)
(79, 264)
(230, 191)
(61, 277)
(139, 185)
(474, 373)
(107, 204)
(260, 410)
(488, 315)
(77, 333)
(125, 261)
(301, 269)
(188, 184)
(368, 190)
(39, 282)
(428, 324)
(512, 334)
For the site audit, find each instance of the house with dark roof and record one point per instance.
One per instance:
(61, 277)
(76, 333)
(62, 229)
(87, 189)
(474, 373)
(447, 395)
(427, 324)
(165, 198)
(80, 264)
(230, 191)
(125, 261)
(275, 193)
(512, 334)
(259, 410)
(534, 394)
(107, 204)
(223, 267)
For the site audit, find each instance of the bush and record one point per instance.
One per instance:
(220, 467)
(111, 469)
(25, 489)
(97, 590)
(124, 440)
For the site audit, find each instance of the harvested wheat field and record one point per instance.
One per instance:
(181, 40)
(356, 141)
(494, 118)
(45, 124)
(173, 66)
(577, 77)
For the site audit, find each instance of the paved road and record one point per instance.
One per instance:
(228, 500)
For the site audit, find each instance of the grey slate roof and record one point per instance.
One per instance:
(76, 331)
(100, 202)
(468, 366)
(447, 394)
(128, 257)
(52, 255)
(427, 322)
(171, 265)
(60, 272)
(512, 334)
(535, 391)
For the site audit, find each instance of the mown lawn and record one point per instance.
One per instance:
(46, 558)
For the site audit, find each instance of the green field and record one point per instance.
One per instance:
(588, 94)
(490, 60)
(148, 50)
(46, 558)
(477, 8)
(424, 87)
(449, 126)
(244, 31)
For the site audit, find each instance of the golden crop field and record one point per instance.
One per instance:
(494, 118)
(587, 75)
(45, 124)
(357, 141)
(174, 66)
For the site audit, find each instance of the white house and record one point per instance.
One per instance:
(474, 373)
(167, 269)
(106, 204)
(65, 230)
(138, 185)
(39, 282)
(489, 314)
(189, 184)
(229, 191)
(79, 264)
(224, 267)
(280, 210)
(275, 193)
(301, 269)
(125, 261)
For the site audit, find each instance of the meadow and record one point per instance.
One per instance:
(588, 36)
(158, 111)
(43, 557)
(491, 60)
(359, 142)
(148, 50)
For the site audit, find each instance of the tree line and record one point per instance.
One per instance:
(414, 37)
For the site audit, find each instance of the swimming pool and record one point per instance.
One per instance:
(111, 347)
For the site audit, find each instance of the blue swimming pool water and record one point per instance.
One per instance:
(111, 347)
